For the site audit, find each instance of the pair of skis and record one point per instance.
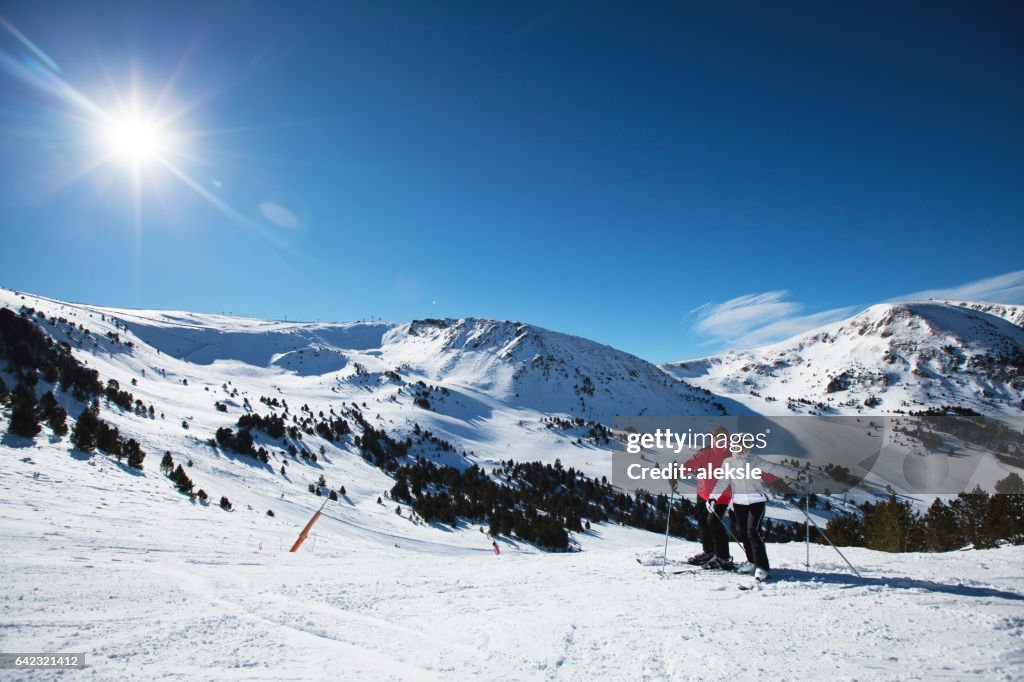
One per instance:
(669, 569)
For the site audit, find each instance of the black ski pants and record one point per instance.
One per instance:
(712, 533)
(748, 526)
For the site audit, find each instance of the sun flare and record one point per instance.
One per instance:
(135, 138)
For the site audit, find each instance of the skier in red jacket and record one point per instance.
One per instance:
(712, 504)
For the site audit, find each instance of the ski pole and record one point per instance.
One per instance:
(728, 530)
(818, 528)
(668, 517)
(807, 533)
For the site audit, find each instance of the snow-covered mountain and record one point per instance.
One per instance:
(113, 561)
(515, 364)
(889, 358)
(484, 390)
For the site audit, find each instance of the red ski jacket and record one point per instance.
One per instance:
(712, 457)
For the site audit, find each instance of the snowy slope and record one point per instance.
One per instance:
(151, 587)
(515, 363)
(99, 558)
(891, 357)
(488, 383)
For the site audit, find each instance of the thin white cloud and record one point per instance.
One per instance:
(1006, 288)
(742, 312)
(758, 319)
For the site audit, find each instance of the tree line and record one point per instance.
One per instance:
(973, 518)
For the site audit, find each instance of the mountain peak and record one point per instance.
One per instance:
(891, 357)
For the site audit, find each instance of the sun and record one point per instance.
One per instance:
(135, 138)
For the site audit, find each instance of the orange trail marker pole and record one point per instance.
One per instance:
(305, 531)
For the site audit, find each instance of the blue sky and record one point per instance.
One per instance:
(672, 180)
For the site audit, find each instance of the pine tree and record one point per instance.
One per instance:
(55, 415)
(182, 481)
(24, 412)
(1011, 485)
(225, 503)
(108, 439)
(892, 526)
(1005, 518)
(971, 510)
(941, 528)
(134, 452)
(846, 530)
(167, 464)
(83, 436)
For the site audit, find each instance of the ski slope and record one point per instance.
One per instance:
(114, 562)
(153, 587)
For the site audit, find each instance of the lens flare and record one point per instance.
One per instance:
(134, 138)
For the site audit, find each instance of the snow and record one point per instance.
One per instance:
(100, 559)
(154, 587)
(907, 356)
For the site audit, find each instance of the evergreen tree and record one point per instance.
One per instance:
(942, 530)
(24, 412)
(134, 452)
(971, 511)
(1005, 518)
(892, 526)
(167, 464)
(400, 491)
(225, 503)
(58, 421)
(108, 439)
(1011, 485)
(47, 404)
(846, 530)
(83, 436)
(182, 481)
(55, 415)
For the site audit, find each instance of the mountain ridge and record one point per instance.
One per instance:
(889, 358)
